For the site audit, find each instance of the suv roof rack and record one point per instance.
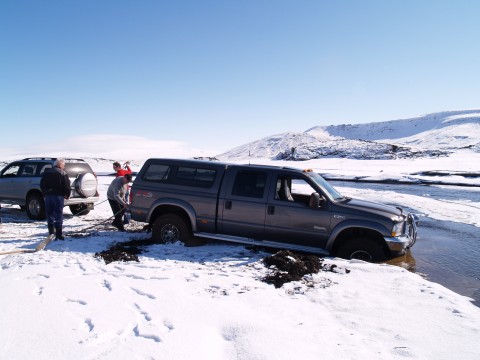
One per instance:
(73, 159)
(52, 158)
(39, 158)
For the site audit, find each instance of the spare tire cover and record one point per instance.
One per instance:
(86, 185)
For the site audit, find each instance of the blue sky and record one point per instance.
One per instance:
(218, 74)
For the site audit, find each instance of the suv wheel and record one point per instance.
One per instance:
(35, 207)
(170, 228)
(79, 209)
(362, 249)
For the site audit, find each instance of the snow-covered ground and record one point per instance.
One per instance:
(210, 302)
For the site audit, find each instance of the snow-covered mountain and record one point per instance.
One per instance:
(433, 135)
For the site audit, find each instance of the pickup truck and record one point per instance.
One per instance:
(266, 206)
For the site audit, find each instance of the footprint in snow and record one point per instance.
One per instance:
(153, 337)
(139, 292)
(89, 324)
(107, 285)
(143, 313)
(168, 325)
(39, 291)
(80, 302)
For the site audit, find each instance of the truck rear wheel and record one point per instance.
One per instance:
(362, 249)
(170, 228)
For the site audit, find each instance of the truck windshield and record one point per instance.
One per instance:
(328, 189)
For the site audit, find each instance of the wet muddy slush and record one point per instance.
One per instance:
(446, 252)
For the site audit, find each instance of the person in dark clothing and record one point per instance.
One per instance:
(116, 197)
(122, 172)
(55, 186)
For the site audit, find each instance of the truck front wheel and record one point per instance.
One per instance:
(170, 228)
(362, 249)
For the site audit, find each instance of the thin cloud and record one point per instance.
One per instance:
(110, 147)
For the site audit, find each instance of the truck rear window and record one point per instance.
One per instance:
(186, 176)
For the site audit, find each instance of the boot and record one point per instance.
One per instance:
(51, 229)
(58, 233)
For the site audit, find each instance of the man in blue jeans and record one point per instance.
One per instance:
(55, 186)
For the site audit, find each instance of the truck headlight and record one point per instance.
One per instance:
(398, 229)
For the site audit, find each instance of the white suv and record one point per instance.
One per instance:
(20, 185)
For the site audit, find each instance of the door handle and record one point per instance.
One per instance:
(270, 210)
(228, 204)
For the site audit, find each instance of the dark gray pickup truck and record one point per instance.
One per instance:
(266, 206)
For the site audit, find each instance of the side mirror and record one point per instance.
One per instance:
(316, 200)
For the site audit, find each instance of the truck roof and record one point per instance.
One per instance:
(220, 164)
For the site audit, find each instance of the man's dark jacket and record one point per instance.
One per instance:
(55, 181)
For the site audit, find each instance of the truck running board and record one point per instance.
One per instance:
(263, 243)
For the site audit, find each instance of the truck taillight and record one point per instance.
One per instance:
(130, 196)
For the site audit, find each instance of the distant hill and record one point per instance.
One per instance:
(433, 135)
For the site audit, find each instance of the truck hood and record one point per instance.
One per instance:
(370, 207)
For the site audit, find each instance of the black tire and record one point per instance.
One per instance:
(35, 207)
(170, 228)
(79, 209)
(362, 249)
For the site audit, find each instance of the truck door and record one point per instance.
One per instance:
(290, 216)
(242, 209)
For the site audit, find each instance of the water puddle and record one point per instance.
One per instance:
(446, 252)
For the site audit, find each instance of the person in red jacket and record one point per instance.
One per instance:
(118, 168)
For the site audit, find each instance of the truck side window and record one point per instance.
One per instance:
(192, 176)
(284, 189)
(293, 189)
(249, 184)
(157, 173)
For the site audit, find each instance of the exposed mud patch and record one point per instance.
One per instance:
(288, 266)
(123, 251)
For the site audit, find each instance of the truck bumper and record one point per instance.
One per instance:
(81, 200)
(399, 244)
